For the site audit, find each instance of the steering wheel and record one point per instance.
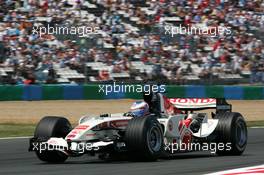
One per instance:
(129, 114)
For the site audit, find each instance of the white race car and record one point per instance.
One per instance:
(172, 126)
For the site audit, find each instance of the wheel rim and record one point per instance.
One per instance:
(241, 133)
(154, 138)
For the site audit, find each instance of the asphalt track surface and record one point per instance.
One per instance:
(15, 159)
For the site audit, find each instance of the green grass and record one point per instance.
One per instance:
(255, 123)
(17, 130)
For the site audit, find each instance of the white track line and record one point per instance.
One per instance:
(10, 138)
(259, 169)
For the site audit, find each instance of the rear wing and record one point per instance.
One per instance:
(192, 104)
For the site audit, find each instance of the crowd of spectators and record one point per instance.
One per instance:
(135, 31)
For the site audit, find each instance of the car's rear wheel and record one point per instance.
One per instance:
(48, 127)
(144, 138)
(231, 130)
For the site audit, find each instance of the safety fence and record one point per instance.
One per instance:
(85, 92)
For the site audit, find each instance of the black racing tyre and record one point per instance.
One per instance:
(232, 130)
(144, 138)
(51, 126)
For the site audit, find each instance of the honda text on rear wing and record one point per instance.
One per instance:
(192, 104)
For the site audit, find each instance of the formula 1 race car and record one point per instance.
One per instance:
(171, 126)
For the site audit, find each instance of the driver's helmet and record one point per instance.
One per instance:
(139, 108)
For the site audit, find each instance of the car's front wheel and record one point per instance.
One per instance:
(144, 138)
(52, 127)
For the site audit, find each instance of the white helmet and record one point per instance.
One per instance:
(139, 108)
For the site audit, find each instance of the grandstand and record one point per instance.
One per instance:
(131, 45)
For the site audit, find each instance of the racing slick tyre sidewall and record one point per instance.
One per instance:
(232, 130)
(144, 138)
(51, 126)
